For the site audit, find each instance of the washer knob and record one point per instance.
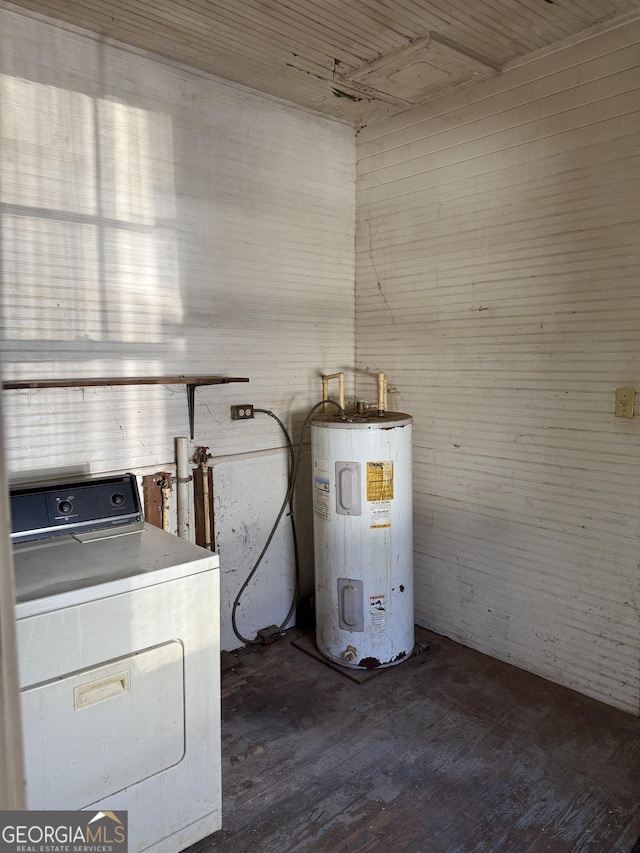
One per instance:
(65, 507)
(117, 499)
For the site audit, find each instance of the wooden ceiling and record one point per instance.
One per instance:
(354, 60)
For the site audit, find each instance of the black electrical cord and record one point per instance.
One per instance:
(287, 501)
(294, 466)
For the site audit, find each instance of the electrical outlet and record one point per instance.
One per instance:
(242, 413)
(625, 398)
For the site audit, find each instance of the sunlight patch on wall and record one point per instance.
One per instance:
(50, 278)
(48, 153)
(88, 235)
(136, 165)
(141, 295)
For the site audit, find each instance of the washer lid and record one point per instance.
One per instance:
(59, 572)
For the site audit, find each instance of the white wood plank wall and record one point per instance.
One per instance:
(156, 221)
(497, 284)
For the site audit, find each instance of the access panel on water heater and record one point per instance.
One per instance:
(350, 604)
(348, 488)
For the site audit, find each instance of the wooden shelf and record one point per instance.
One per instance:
(191, 382)
(121, 380)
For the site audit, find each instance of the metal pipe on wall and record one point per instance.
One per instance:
(165, 488)
(202, 457)
(183, 477)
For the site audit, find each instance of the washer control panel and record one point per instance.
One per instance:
(41, 511)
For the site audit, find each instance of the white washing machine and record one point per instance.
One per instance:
(118, 643)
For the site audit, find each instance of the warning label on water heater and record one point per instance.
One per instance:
(377, 612)
(321, 496)
(379, 481)
(380, 514)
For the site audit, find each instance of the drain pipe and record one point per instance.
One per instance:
(183, 478)
(202, 458)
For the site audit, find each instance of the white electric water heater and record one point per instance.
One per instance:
(363, 537)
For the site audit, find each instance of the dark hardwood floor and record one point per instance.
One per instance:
(449, 752)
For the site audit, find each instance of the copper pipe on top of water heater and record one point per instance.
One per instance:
(382, 393)
(325, 387)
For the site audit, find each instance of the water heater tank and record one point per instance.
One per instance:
(363, 538)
